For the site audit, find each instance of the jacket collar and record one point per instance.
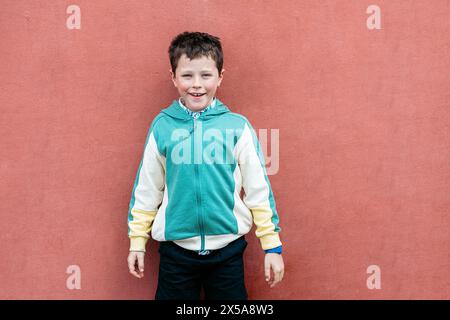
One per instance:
(175, 111)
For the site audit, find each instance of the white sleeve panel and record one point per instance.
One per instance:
(149, 190)
(253, 176)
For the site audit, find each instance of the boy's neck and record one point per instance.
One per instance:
(184, 104)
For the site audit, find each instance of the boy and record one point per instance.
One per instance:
(197, 157)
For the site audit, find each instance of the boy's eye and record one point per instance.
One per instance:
(188, 75)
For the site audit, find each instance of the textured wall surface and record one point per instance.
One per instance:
(364, 140)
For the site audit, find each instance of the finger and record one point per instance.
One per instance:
(132, 266)
(267, 270)
(277, 276)
(130, 263)
(134, 273)
(141, 264)
(274, 282)
(272, 278)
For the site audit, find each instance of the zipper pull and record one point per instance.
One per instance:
(194, 125)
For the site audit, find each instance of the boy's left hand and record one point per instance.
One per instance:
(273, 262)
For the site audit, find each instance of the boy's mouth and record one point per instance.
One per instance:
(197, 95)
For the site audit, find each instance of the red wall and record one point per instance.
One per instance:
(363, 118)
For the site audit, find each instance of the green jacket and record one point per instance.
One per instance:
(189, 182)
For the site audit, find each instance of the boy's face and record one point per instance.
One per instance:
(199, 76)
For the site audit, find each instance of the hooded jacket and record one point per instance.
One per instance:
(188, 185)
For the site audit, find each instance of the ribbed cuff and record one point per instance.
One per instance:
(138, 243)
(278, 250)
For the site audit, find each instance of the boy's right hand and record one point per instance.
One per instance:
(134, 257)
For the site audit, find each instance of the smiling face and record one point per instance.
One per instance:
(197, 81)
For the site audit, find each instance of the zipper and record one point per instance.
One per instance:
(198, 196)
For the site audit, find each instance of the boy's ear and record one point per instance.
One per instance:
(221, 77)
(172, 77)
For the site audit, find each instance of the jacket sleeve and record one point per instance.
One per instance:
(147, 194)
(258, 192)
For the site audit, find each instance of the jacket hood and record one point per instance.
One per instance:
(176, 111)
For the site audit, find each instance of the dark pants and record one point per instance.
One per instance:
(182, 273)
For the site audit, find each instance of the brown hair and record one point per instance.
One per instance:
(195, 45)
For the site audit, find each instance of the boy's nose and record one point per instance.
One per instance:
(197, 82)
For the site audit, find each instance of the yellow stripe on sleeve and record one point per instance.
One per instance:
(265, 229)
(140, 228)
